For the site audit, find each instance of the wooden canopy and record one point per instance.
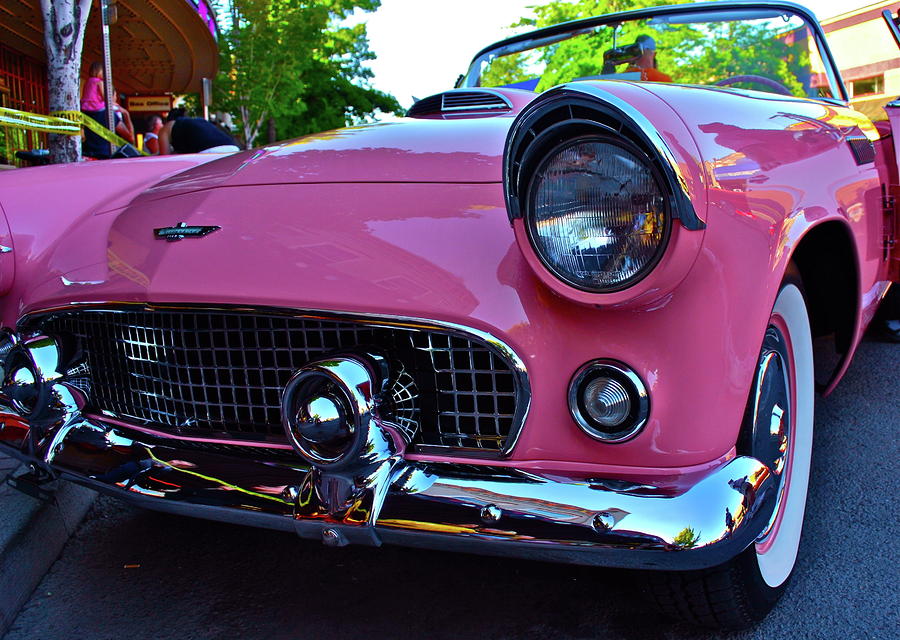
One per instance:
(158, 46)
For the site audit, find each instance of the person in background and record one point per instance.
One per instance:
(193, 135)
(646, 63)
(151, 138)
(92, 94)
(93, 104)
(124, 126)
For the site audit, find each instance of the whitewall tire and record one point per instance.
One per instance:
(777, 430)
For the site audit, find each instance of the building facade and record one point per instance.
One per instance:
(867, 55)
(159, 47)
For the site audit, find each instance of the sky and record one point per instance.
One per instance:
(423, 45)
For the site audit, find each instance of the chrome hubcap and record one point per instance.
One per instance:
(772, 411)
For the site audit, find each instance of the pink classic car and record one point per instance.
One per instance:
(564, 311)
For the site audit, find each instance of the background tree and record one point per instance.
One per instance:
(291, 67)
(64, 22)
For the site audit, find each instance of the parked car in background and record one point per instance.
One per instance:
(564, 311)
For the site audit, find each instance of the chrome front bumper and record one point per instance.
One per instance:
(693, 524)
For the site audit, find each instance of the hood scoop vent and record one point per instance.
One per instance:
(460, 103)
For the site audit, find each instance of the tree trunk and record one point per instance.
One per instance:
(64, 22)
(273, 136)
(251, 129)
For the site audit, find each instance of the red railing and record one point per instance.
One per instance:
(23, 82)
(26, 80)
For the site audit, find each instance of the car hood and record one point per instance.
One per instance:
(408, 150)
(273, 204)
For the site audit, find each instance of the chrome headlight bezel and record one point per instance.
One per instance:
(581, 133)
(639, 399)
(584, 108)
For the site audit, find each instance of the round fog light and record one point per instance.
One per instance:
(319, 420)
(608, 401)
(22, 390)
(325, 410)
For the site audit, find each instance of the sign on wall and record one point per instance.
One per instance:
(149, 103)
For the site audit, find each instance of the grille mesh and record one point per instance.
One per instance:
(221, 373)
(863, 149)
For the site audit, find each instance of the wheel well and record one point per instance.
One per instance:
(826, 260)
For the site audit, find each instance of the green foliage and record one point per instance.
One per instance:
(509, 69)
(687, 538)
(579, 56)
(293, 61)
(740, 48)
(690, 53)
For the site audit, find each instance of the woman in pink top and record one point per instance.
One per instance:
(92, 94)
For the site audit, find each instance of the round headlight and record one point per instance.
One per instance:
(597, 215)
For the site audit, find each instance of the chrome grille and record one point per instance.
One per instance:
(474, 394)
(220, 373)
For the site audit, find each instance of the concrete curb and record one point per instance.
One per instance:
(32, 535)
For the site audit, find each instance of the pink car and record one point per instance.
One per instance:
(570, 321)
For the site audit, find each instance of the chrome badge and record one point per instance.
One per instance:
(182, 230)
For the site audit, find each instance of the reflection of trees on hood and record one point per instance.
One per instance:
(290, 67)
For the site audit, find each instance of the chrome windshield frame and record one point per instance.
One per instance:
(532, 39)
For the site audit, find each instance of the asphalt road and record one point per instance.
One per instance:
(135, 574)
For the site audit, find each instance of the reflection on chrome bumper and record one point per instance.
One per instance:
(480, 509)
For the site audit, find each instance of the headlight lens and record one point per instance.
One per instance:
(597, 216)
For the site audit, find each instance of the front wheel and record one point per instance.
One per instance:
(777, 430)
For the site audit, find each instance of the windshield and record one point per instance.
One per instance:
(765, 49)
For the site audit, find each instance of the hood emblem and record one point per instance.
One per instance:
(182, 230)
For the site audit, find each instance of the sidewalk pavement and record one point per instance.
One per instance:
(32, 535)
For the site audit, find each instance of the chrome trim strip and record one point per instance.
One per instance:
(456, 452)
(501, 349)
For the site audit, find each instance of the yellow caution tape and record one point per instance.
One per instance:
(37, 122)
(67, 123)
(88, 122)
